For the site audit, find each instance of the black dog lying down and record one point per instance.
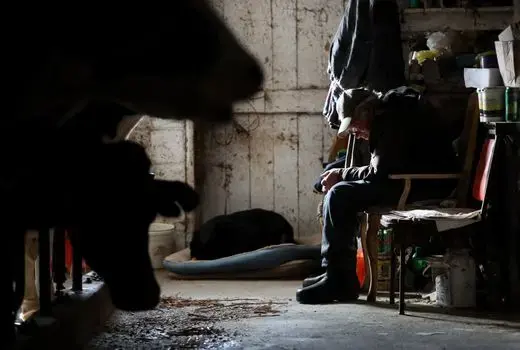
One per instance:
(240, 232)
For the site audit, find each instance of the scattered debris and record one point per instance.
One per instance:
(224, 309)
(180, 323)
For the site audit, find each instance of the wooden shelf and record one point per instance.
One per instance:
(460, 19)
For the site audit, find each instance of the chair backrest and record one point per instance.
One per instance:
(482, 168)
(480, 183)
(467, 147)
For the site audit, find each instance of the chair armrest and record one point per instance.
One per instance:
(408, 183)
(424, 176)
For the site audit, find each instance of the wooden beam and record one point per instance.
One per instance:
(440, 19)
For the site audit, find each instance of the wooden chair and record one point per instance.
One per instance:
(408, 221)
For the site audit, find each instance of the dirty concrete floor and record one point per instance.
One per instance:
(241, 318)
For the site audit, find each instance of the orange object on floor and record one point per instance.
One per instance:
(360, 266)
(68, 257)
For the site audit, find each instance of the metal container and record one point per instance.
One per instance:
(512, 100)
(491, 102)
(488, 60)
(383, 273)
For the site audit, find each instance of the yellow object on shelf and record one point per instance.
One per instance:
(424, 55)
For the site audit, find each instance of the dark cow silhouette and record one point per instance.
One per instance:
(173, 63)
(71, 79)
(240, 232)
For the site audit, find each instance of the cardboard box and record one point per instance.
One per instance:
(508, 57)
(511, 33)
(482, 77)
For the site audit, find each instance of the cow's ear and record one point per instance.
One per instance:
(169, 192)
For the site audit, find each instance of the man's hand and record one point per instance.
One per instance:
(329, 178)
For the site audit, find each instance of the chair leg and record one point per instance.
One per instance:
(374, 221)
(392, 270)
(402, 276)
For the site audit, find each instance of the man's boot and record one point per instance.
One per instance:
(309, 281)
(334, 286)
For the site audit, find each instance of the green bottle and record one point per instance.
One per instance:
(418, 264)
(384, 237)
(414, 4)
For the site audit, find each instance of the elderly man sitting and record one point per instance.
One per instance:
(405, 136)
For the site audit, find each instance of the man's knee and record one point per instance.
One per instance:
(346, 194)
(338, 193)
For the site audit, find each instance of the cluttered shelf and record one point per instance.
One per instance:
(456, 18)
(448, 66)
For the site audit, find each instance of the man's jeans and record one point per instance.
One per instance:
(341, 206)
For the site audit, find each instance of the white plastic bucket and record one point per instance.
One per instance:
(161, 243)
(456, 286)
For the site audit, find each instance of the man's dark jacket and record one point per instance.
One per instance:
(406, 137)
(366, 51)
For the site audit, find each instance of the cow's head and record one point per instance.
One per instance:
(182, 62)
